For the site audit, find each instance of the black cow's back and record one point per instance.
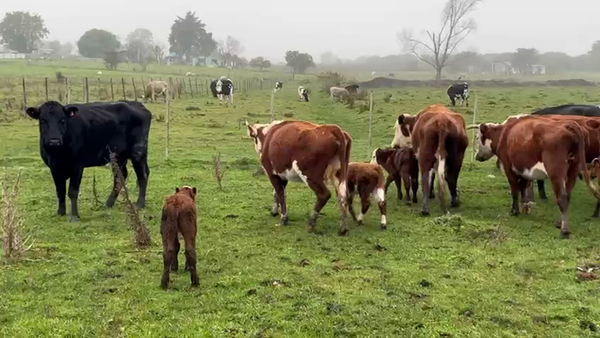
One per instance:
(570, 109)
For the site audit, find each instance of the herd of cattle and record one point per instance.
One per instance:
(558, 143)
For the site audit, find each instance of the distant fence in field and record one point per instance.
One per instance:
(15, 94)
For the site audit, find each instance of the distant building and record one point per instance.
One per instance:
(505, 68)
(6, 53)
(538, 69)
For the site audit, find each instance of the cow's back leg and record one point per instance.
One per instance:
(365, 203)
(276, 206)
(60, 183)
(542, 190)
(407, 185)
(350, 200)
(188, 228)
(74, 183)
(175, 260)
(379, 196)
(452, 100)
(515, 189)
(139, 160)
(432, 184)
(563, 180)
(427, 171)
(323, 195)
(117, 184)
(279, 186)
(454, 166)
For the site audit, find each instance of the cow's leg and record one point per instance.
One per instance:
(431, 184)
(142, 171)
(323, 195)
(414, 179)
(276, 206)
(74, 184)
(454, 167)
(350, 202)
(168, 256)
(61, 190)
(526, 195)
(388, 181)
(117, 184)
(427, 171)
(279, 187)
(515, 189)
(407, 186)
(452, 100)
(189, 235)
(467, 101)
(563, 180)
(365, 204)
(398, 181)
(379, 195)
(542, 190)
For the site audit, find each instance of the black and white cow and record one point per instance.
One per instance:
(570, 109)
(222, 88)
(78, 136)
(278, 86)
(458, 91)
(303, 93)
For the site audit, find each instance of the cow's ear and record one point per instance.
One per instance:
(252, 132)
(483, 128)
(176, 189)
(194, 190)
(33, 112)
(401, 119)
(71, 111)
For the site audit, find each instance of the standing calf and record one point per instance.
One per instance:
(367, 180)
(179, 216)
(402, 165)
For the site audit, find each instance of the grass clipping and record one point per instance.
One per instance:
(142, 233)
(13, 244)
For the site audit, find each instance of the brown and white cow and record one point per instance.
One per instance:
(155, 89)
(439, 138)
(535, 148)
(401, 165)
(366, 180)
(304, 152)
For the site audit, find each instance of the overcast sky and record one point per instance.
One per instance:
(271, 27)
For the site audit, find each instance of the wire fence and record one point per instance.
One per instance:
(17, 94)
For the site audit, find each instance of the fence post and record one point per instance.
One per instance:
(369, 150)
(123, 86)
(24, 98)
(86, 93)
(191, 88)
(99, 89)
(206, 85)
(46, 86)
(167, 121)
(112, 90)
(473, 132)
(68, 90)
(134, 90)
(196, 83)
(180, 87)
(272, 105)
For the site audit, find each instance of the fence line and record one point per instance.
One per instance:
(80, 89)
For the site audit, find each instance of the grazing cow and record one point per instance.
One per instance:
(458, 91)
(533, 148)
(304, 152)
(401, 165)
(570, 109)
(366, 180)
(78, 136)
(303, 93)
(437, 135)
(352, 89)
(179, 217)
(278, 86)
(224, 88)
(338, 93)
(155, 89)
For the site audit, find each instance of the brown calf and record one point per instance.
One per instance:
(437, 135)
(179, 216)
(535, 148)
(367, 180)
(304, 152)
(401, 165)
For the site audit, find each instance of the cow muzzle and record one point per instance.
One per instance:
(54, 142)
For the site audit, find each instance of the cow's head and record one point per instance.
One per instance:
(258, 132)
(54, 119)
(187, 190)
(404, 126)
(381, 156)
(488, 137)
(219, 86)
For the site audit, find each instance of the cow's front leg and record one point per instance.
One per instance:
(74, 184)
(61, 190)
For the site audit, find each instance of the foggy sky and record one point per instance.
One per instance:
(271, 27)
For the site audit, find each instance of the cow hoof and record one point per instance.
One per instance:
(61, 212)
(415, 201)
(565, 235)
(383, 227)
(408, 203)
(514, 212)
(425, 213)
(557, 224)
(285, 220)
(454, 204)
(343, 232)
(73, 219)
(432, 196)
(359, 222)
(274, 213)
(176, 268)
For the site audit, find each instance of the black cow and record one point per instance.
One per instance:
(278, 86)
(459, 91)
(78, 136)
(213, 88)
(570, 109)
(565, 109)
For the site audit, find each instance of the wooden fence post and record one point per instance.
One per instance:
(24, 98)
(196, 83)
(123, 86)
(68, 90)
(86, 92)
(369, 150)
(473, 151)
(272, 105)
(134, 90)
(99, 89)
(167, 121)
(112, 90)
(46, 86)
(191, 88)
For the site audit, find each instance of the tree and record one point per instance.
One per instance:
(240, 62)
(260, 62)
(159, 53)
(140, 44)
(95, 43)
(189, 37)
(328, 58)
(55, 46)
(298, 62)
(594, 54)
(67, 49)
(524, 58)
(556, 62)
(436, 49)
(231, 48)
(22, 31)
(463, 60)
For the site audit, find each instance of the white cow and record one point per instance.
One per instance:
(338, 93)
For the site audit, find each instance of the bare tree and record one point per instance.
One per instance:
(436, 49)
(231, 48)
(159, 53)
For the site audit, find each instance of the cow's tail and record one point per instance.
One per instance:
(581, 144)
(441, 155)
(343, 154)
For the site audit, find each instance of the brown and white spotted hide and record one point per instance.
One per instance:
(366, 180)
(402, 166)
(304, 152)
(439, 139)
(536, 148)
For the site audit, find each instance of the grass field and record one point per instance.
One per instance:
(483, 274)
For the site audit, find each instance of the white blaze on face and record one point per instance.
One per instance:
(399, 139)
(484, 151)
(374, 157)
